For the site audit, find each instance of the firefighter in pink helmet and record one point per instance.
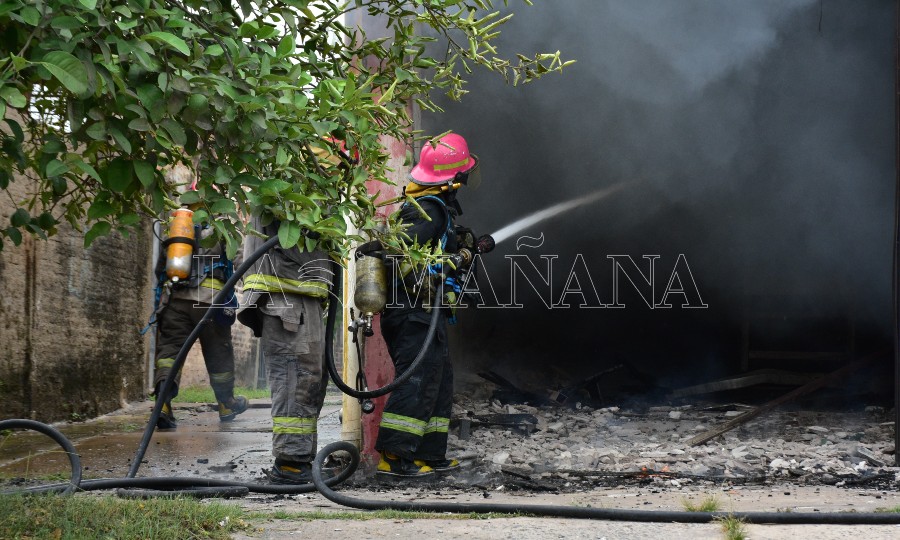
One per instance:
(412, 436)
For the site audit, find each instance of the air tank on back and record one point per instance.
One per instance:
(181, 245)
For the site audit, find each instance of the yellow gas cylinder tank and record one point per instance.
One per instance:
(179, 252)
(371, 285)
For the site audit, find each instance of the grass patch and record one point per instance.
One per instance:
(733, 528)
(894, 510)
(54, 516)
(204, 394)
(128, 427)
(708, 504)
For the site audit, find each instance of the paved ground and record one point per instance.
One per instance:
(200, 446)
(240, 450)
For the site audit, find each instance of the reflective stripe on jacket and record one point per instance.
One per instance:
(276, 284)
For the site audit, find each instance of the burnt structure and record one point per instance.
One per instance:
(756, 142)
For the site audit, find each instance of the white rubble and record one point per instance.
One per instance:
(819, 447)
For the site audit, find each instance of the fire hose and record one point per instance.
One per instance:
(579, 512)
(195, 487)
(204, 487)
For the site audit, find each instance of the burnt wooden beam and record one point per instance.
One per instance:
(793, 394)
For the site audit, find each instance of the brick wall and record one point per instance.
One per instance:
(69, 321)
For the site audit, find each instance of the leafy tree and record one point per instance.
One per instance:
(99, 97)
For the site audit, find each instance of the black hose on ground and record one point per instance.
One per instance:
(579, 512)
(329, 343)
(60, 439)
(162, 485)
(202, 487)
(225, 492)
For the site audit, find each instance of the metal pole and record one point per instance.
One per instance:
(157, 246)
(896, 269)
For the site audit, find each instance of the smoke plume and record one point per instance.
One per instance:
(755, 138)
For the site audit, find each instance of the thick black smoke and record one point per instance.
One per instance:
(756, 138)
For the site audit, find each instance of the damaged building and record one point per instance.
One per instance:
(749, 235)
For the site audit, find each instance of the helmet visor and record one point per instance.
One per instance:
(474, 174)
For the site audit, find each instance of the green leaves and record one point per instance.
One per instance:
(55, 168)
(288, 234)
(100, 209)
(170, 40)
(102, 100)
(223, 206)
(19, 218)
(175, 131)
(101, 228)
(145, 173)
(13, 96)
(118, 176)
(286, 46)
(67, 69)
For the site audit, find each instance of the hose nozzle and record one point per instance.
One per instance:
(485, 244)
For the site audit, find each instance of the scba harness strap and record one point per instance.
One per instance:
(200, 277)
(451, 283)
(407, 275)
(449, 222)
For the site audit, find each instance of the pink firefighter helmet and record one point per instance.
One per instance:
(440, 161)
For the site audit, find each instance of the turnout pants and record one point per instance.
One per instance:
(176, 322)
(417, 415)
(295, 368)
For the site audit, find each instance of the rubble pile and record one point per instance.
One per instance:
(545, 443)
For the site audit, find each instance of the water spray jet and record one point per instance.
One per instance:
(547, 213)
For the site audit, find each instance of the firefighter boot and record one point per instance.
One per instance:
(391, 465)
(440, 465)
(166, 418)
(234, 407)
(295, 472)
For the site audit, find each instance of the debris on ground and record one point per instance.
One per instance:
(576, 448)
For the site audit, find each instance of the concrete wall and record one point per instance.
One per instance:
(246, 365)
(70, 318)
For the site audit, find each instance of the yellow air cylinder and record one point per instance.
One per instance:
(178, 255)
(371, 285)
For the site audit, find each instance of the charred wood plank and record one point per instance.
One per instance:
(810, 387)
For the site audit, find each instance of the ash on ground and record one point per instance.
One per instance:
(552, 448)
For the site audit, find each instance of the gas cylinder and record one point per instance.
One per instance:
(371, 285)
(181, 246)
